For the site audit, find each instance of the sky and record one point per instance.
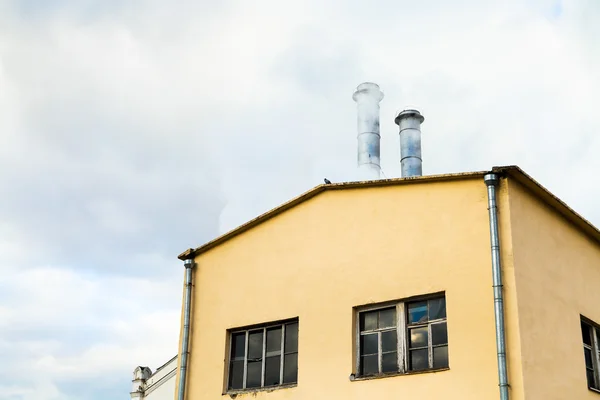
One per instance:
(133, 130)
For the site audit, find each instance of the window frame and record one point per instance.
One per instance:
(402, 330)
(595, 350)
(400, 349)
(282, 353)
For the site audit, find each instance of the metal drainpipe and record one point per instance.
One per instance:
(491, 181)
(189, 264)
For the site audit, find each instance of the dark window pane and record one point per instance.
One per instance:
(238, 344)
(439, 334)
(272, 369)
(588, 358)
(590, 378)
(585, 333)
(368, 344)
(418, 337)
(440, 357)
(387, 318)
(419, 359)
(274, 340)
(368, 321)
(389, 362)
(417, 312)
(290, 368)
(437, 308)
(369, 365)
(254, 372)
(236, 375)
(291, 337)
(255, 345)
(388, 341)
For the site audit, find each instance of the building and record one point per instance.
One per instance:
(159, 385)
(464, 286)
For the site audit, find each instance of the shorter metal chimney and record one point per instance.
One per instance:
(409, 122)
(367, 96)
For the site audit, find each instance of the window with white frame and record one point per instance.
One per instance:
(402, 337)
(591, 335)
(264, 356)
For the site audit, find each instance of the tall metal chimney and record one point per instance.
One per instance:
(409, 122)
(367, 96)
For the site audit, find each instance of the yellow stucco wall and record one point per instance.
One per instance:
(511, 317)
(351, 247)
(557, 271)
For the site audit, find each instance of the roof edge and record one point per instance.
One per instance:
(193, 252)
(550, 199)
(165, 364)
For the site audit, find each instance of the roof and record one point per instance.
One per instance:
(511, 171)
(165, 364)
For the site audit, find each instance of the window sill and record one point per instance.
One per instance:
(369, 377)
(236, 392)
(594, 390)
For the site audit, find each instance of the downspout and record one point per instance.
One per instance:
(189, 264)
(491, 181)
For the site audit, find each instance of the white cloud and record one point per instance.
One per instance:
(64, 326)
(129, 132)
(42, 389)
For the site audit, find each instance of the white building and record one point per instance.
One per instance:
(159, 385)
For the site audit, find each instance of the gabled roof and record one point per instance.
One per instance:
(511, 171)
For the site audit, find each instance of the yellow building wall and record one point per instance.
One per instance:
(557, 271)
(346, 248)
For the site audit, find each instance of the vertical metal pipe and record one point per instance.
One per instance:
(189, 264)
(367, 96)
(409, 122)
(491, 181)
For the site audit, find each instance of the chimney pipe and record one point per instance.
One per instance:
(409, 122)
(367, 96)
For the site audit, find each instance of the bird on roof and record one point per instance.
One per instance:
(327, 181)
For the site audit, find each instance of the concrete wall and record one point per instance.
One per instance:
(557, 270)
(161, 385)
(347, 248)
(164, 391)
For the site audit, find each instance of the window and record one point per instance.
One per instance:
(263, 357)
(590, 334)
(402, 337)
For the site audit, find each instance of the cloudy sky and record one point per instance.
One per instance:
(132, 130)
